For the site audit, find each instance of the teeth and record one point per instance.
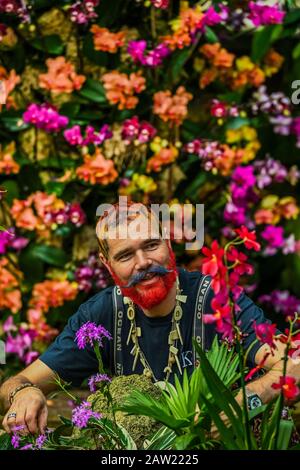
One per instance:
(150, 276)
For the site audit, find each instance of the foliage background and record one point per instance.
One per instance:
(50, 265)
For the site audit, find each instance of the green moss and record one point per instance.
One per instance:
(140, 428)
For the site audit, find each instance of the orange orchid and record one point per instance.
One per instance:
(37, 321)
(23, 214)
(9, 81)
(272, 62)
(288, 207)
(184, 26)
(120, 88)
(178, 40)
(105, 40)
(52, 293)
(264, 216)
(207, 77)
(218, 56)
(273, 209)
(97, 170)
(223, 65)
(7, 164)
(10, 295)
(172, 108)
(61, 77)
(32, 213)
(163, 157)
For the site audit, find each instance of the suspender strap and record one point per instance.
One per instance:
(198, 327)
(118, 323)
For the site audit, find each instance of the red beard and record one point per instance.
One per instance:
(153, 294)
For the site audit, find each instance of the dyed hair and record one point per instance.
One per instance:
(118, 215)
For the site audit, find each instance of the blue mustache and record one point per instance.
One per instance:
(136, 278)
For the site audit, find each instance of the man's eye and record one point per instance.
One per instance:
(152, 245)
(125, 257)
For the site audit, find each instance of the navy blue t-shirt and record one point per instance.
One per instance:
(74, 365)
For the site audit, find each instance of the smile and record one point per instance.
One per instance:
(149, 279)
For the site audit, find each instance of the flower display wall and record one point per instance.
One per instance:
(160, 101)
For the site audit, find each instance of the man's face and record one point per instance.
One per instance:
(141, 252)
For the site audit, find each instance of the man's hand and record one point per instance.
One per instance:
(31, 410)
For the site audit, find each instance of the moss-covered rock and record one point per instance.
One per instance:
(140, 428)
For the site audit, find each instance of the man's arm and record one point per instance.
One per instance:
(274, 366)
(29, 404)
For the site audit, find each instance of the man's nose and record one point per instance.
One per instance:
(141, 260)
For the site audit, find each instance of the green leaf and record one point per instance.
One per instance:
(63, 230)
(177, 62)
(285, 432)
(224, 362)
(183, 442)
(177, 400)
(109, 11)
(87, 116)
(65, 421)
(5, 442)
(12, 121)
(98, 57)
(70, 109)
(296, 447)
(163, 439)
(191, 130)
(50, 255)
(117, 433)
(93, 90)
(257, 411)
(223, 398)
(41, 4)
(263, 39)
(191, 190)
(292, 17)
(54, 187)
(143, 404)
(13, 190)
(126, 438)
(51, 43)
(27, 259)
(29, 179)
(226, 433)
(17, 58)
(270, 424)
(296, 52)
(238, 122)
(210, 35)
(63, 430)
(231, 97)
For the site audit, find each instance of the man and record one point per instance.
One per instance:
(152, 316)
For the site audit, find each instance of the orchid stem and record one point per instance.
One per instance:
(98, 354)
(153, 22)
(240, 353)
(285, 359)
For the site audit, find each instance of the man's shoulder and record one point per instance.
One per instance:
(102, 296)
(191, 276)
(98, 303)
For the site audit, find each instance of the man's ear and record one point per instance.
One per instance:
(168, 242)
(105, 262)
